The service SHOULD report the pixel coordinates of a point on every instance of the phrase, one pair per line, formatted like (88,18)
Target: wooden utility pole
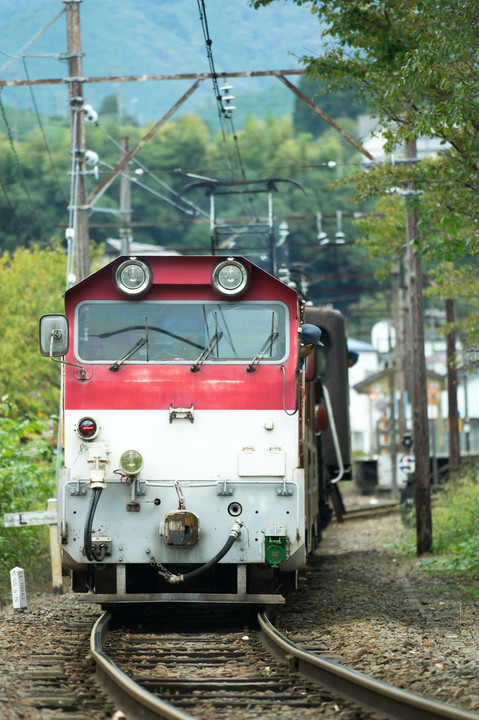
(399,347)
(418,381)
(125,202)
(454,452)
(75,83)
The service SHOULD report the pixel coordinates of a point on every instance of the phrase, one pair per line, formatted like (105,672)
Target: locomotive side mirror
(54,335)
(55,341)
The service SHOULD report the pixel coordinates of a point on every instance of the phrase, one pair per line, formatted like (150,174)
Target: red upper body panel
(156,386)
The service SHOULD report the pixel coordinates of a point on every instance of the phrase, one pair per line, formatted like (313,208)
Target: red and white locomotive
(194,469)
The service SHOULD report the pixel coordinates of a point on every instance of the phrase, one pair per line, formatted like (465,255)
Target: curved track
(295,684)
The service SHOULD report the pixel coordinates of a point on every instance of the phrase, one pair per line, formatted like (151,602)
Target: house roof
(382,377)
(114,247)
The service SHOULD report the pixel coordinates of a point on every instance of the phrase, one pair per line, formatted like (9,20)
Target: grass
(455,524)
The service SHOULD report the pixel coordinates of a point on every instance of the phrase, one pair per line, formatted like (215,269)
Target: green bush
(27,480)
(455,519)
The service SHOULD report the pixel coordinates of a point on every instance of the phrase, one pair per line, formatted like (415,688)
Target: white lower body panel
(223,467)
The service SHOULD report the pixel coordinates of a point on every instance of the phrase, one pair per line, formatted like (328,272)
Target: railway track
(371,511)
(183,674)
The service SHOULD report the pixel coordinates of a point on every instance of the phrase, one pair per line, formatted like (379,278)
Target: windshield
(179,331)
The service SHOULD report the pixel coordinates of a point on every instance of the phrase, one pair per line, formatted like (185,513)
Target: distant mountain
(129,37)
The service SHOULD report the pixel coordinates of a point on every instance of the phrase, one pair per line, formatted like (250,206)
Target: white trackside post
(19,593)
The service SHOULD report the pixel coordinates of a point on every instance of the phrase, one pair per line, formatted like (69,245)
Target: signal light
(87,428)
(321,419)
(131,462)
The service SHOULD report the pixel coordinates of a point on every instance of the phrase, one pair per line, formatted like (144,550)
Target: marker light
(131,462)
(230,278)
(87,428)
(133,277)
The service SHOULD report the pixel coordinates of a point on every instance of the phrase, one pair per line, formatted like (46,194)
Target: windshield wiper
(142,341)
(131,352)
(262,351)
(207,351)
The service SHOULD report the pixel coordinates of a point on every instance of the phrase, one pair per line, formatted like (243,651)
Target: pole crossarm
(153,78)
(126,158)
(326,117)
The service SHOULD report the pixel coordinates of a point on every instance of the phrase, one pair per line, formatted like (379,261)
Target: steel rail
(395,703)
(371,511)
(130,697)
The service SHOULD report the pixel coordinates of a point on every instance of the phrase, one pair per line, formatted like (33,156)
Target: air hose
(176,579)
(93,553)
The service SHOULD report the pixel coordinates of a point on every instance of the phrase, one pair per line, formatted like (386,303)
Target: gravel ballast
(359,603)
(364,606)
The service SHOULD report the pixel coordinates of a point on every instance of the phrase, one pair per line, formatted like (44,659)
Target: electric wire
(146,187)
(12,57)
(72,207)
(19,167)
(19,54)
(40,125)
(224,113)
(194,208)
(218,97)
(223,110)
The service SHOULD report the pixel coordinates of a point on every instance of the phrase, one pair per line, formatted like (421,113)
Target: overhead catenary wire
(224,113)
(209,54)
(188,208)
(72,207)
(148,189)
(40,125)
(19,54)
(19,168)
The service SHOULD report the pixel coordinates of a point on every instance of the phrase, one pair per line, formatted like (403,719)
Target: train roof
(178,269)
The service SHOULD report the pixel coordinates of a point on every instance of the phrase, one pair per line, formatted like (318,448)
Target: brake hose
(176,579)
(93,553)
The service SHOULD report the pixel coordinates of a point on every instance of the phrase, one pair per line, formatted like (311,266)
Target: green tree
(404,54)
(27,480)
(34,188)
(338,105)
(268,148)
(33,281)
(415,62)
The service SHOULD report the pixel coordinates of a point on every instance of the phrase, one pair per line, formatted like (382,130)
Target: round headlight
(131,462)
(230,278)
(87,428)
(133,277)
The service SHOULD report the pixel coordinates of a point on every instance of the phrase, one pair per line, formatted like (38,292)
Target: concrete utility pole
(125,202)
(75,83)
(418,369)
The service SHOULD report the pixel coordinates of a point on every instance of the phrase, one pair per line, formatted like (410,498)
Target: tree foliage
(338,105)
(415,62)
(170,217)
(27,480)
(32,284)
